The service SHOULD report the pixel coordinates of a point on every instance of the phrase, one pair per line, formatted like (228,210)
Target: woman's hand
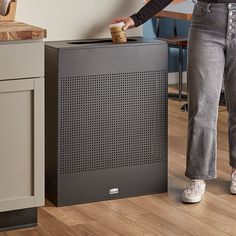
(129,23)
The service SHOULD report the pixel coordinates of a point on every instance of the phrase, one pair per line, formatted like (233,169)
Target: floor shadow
(218,186)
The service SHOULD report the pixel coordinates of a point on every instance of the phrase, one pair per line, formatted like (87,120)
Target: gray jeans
(211,62)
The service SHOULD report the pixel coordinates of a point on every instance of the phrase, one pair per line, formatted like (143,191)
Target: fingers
(118,20)
(129,23)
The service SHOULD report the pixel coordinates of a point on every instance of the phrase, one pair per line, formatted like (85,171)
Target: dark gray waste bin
(106,119)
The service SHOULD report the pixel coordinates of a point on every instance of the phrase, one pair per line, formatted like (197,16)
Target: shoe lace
(194,185)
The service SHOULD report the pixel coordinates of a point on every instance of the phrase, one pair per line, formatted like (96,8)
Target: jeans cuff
(205,177)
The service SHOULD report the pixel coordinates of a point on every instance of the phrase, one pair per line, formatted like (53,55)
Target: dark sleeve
(149,10)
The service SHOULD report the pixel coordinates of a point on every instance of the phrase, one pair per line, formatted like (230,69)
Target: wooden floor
(160,214)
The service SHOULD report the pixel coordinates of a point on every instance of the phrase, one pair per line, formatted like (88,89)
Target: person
(211,61)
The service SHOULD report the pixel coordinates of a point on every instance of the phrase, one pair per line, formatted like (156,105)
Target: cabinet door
(21,144)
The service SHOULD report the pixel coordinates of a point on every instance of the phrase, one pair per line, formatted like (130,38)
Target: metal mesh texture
(112,120)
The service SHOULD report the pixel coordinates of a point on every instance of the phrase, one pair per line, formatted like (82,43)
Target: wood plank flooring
(160,214)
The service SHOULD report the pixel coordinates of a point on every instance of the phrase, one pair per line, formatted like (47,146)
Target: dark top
(155,6)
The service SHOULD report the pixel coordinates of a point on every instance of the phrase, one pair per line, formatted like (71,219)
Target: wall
(76,19)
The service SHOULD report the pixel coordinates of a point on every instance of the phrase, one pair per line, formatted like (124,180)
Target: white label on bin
(114,191)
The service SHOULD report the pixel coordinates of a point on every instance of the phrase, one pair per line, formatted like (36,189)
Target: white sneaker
(194,191)
(233,183)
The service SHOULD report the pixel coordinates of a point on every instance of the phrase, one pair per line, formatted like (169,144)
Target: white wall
(76,19)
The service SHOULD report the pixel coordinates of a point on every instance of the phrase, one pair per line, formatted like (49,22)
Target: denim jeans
(211,62)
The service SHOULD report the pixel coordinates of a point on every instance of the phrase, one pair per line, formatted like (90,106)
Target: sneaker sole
(232,191)
(191,200)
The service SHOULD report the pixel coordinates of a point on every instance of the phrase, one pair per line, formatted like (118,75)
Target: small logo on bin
(114,191)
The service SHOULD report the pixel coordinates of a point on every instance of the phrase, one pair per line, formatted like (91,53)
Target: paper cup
(117,33)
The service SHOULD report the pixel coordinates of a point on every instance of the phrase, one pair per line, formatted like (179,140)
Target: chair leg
(184,107)
(180,71)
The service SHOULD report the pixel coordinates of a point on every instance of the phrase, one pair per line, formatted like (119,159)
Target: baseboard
(18,219)
(173,77)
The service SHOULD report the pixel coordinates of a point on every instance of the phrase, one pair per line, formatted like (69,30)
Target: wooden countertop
(13,30)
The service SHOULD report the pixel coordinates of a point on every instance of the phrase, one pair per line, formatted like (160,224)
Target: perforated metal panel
(112,120)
